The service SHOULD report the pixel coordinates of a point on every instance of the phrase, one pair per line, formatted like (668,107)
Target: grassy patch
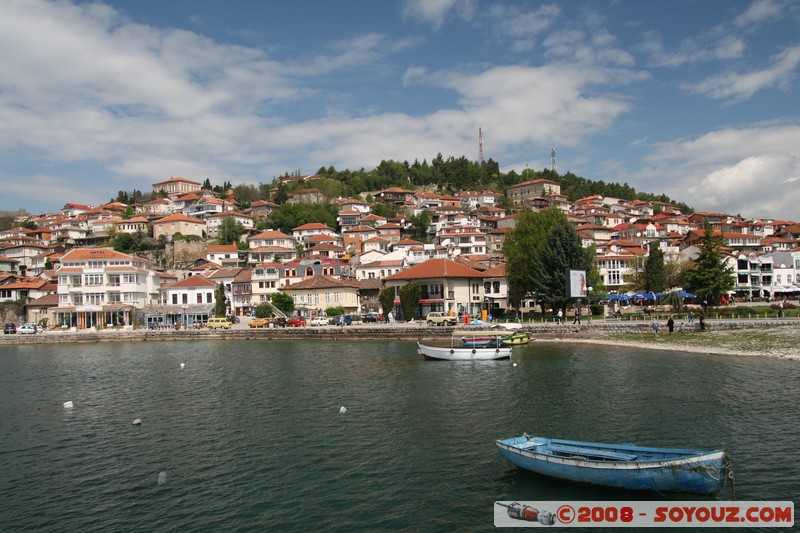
(774,341)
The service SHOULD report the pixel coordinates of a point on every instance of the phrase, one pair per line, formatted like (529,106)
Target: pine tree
(654,272)
(711,277)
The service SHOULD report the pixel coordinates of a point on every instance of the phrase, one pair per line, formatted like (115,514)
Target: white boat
(464,347)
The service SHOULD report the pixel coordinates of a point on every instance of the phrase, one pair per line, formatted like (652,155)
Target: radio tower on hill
(480,145)
(553,167)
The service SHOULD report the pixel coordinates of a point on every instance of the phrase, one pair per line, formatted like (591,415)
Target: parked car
(277,322)
(318,321)
(296,321)
(214,323)
(369,318)
(259,323)
(439,318)
(29,329)
(9,328)
(340,320)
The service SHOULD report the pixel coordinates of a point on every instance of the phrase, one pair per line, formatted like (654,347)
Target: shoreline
(763,338)
(793,355)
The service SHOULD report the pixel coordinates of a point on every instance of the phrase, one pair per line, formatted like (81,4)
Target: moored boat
(623,466)
(468,346)
(517,339)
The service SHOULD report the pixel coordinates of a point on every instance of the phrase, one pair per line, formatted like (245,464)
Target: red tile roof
(436,268)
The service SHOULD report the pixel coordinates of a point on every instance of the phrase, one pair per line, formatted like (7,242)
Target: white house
(100,287)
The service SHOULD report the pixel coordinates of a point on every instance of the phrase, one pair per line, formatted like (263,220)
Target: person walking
(691,317)
(560,317)
(670,325)
(577,319)
(655,326)
(702,322)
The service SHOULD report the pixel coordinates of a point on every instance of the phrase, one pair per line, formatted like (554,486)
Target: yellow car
(259,323)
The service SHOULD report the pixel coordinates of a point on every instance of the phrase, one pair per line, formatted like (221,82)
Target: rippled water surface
(250,436)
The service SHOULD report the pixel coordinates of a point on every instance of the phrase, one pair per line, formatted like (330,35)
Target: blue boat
(622,466)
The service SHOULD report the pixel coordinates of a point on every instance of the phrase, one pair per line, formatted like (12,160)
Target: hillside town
(66,275)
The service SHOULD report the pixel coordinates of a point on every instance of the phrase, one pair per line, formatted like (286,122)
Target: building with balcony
(99,287)
(446,286)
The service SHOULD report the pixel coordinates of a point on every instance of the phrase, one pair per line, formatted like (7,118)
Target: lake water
(250,436)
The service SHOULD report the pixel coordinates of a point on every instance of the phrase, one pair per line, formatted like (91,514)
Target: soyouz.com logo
(645,514)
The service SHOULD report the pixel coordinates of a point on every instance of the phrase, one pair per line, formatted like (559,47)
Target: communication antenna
(480,145)
(554,167)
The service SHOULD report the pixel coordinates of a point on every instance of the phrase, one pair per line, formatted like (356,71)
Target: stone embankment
(409,332)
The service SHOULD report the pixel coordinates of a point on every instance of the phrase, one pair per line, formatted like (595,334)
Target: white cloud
(740,171)
(737,87)
(760,11)
(434,12)
(756,184)
(522,26)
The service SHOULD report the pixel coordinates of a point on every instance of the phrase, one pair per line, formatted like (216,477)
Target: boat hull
(443,353)
(653,469)
(517,339)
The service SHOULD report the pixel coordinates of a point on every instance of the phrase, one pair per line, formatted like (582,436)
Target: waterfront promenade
(747,336)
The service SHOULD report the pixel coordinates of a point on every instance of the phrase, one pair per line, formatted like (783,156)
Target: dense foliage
(710,277)
(654,272)
(229,231)
(386,298)
(284,302)
(540,250)
(410,294)
(220,301)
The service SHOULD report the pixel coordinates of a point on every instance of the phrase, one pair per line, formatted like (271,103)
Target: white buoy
(183,365)
(342,410)
(68,404)
(515,364)
(137,421)
(162,477)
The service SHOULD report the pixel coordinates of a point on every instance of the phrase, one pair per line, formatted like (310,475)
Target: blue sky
(695,99)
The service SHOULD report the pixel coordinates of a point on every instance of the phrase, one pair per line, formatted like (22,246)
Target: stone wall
(183,254)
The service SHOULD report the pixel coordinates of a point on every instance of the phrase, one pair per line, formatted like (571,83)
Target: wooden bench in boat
(576,451)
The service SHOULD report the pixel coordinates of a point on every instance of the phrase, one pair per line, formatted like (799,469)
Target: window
(113,280)
(91,280)
(199,297)
(184,298)
(114,297)
(174,299)
(496,286)
(95,298)
(209,297)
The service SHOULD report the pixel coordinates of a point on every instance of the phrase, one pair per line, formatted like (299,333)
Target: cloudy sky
(696,99)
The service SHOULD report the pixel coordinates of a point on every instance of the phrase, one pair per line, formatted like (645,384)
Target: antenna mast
(480,145)
(554,167)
